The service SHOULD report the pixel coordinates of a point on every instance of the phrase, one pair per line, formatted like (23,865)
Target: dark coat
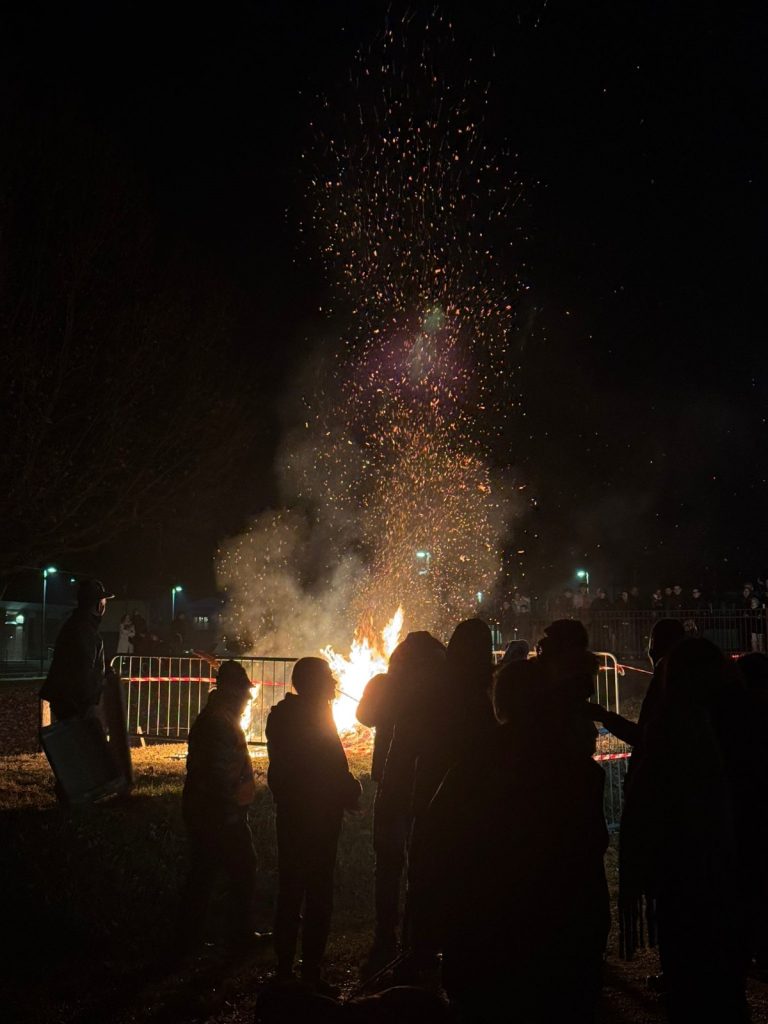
(76,676)
(308,768)
(219,769)
(516,845)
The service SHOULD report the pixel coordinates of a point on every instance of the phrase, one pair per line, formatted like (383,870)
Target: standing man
(312,786)
(75,680)
(218,791)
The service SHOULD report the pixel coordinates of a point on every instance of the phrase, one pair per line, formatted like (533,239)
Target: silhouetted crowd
(489,833)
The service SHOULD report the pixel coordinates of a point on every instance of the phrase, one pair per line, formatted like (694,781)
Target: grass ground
(90,898)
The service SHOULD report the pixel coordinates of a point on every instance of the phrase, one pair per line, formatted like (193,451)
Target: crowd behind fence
(626,633)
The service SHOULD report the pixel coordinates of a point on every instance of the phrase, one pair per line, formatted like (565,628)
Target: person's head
(677,590)
(754,603)
(601,593)
(754,671)
(92,596)
(624,596)
(695,673)
(668,591)
(470,648)
(562,637)
(634,591)
(233,684)
(749,586)
(656,595)
(696,593)
(420,656)
(312,679)
(665,634)
(746,592)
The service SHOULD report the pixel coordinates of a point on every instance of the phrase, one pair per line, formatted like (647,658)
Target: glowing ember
(367,657)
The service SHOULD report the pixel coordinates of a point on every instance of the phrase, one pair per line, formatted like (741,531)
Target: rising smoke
(387,494)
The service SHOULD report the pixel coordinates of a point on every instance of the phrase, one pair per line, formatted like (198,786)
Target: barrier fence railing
(611,753)
(626,633)
(165,695)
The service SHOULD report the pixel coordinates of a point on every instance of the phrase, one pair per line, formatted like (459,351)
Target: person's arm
(622,728)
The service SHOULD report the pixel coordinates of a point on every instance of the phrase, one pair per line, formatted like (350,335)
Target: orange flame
(368,656)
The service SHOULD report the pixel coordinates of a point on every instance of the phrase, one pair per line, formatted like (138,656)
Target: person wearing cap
(75,680)
(312,787)
(218,790)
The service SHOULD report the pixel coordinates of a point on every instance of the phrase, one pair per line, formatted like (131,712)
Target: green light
(19,620)
(50,570)
(177,590)
(581,573)
(422,554)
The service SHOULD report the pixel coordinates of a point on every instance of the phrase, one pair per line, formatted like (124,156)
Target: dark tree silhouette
(118,410)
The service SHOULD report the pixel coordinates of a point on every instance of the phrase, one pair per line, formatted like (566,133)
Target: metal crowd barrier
(612,754)
(165,695)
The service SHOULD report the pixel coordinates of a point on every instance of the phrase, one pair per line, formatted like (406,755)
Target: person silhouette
(312,787)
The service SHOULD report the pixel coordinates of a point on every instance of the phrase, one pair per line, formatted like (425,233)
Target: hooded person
(752,792)
(678,840)
(470,672)
(517,888)
(218,791)
(312,787)
(637,913)
(413,717)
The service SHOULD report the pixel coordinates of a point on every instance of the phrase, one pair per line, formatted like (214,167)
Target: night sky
(637,132)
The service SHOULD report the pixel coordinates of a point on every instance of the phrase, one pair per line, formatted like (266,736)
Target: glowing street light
(174,591)
(48,571)
(583,574)
(424,556)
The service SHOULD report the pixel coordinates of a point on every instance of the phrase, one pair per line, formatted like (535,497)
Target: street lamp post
(49,571)
(424,556)
(174,591)
(583,574)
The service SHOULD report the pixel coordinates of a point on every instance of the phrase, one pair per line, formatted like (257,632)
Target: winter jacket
(308,768)
(76,676)
(219,783)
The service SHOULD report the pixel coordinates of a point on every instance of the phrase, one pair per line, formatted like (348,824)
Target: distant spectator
(522,603)
(756,622)
(667,598)
(697,602)
(141,640)
(601,602)
(676,601)
(178,636)
(564,604)
(581,600)
(746,596)
(657,600)
(623,602)
(126,635)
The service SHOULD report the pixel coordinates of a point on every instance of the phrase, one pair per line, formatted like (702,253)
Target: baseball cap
(91,591)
